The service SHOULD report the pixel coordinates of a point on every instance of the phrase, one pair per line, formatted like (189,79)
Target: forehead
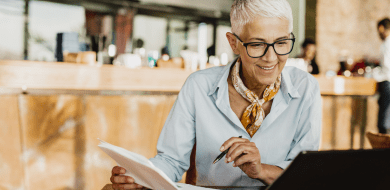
(266,28)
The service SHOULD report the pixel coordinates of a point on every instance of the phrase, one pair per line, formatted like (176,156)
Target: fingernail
(129,180)
(226,160)
(123,171)
(222,147)
(229,159)
(139,186)
(234,165)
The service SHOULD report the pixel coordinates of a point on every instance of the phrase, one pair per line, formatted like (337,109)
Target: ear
(233,42)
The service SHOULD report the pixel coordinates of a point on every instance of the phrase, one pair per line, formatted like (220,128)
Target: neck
(306,58)
(251,83)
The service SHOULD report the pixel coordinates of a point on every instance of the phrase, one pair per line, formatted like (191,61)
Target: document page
(141,169)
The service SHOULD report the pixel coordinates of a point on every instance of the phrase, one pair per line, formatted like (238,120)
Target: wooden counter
(345,117)
(346,86)
(51,115)
(68,76)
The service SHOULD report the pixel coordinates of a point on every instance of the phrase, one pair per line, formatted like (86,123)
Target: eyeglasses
(259,49)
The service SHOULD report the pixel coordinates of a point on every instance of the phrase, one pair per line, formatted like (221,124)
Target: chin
(267,80)
(268,77)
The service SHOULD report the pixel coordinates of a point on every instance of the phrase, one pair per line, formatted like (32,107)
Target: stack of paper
(141,169)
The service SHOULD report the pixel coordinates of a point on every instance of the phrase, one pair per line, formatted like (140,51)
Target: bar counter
(51,115)
(17,75)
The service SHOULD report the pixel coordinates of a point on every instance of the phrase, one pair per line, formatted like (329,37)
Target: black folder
(337,169)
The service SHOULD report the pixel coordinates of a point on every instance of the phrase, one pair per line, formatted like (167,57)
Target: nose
(270,55)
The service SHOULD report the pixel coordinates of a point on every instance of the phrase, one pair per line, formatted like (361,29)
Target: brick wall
(348,25)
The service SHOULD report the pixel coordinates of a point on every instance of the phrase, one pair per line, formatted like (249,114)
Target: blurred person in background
(217,105)
(308,54)
(383,77)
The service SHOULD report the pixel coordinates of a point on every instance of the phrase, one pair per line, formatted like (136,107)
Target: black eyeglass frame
(268,45)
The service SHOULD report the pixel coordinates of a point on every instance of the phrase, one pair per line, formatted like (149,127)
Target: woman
(308,55)
(217,105)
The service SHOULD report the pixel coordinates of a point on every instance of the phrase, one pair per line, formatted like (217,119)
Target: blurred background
(74,71)
(30,29)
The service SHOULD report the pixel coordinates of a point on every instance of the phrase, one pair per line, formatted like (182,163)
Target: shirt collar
(287,88)
(222,77)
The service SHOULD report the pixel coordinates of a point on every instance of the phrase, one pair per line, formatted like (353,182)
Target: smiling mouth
(267,68)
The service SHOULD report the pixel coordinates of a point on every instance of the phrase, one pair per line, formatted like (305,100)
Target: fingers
(118,170)
(127,186)
(121,179)
(245,159)
(231,141)
(242,148)
(117,176)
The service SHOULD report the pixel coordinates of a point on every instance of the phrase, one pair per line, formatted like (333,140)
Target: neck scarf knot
(254,114)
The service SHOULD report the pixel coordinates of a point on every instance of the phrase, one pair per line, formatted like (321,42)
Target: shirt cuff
(164,167)
(283,164)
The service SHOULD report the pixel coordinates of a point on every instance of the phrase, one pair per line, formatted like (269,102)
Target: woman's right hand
(119,181)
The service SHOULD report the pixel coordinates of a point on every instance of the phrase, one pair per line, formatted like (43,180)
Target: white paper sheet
(142,170)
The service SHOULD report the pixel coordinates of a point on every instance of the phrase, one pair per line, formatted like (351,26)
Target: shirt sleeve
(177,137)
(308,134)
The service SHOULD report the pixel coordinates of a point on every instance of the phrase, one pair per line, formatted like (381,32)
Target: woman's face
(310,51)
(265,69)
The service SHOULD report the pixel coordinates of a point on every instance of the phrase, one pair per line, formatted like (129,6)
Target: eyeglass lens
(280,47)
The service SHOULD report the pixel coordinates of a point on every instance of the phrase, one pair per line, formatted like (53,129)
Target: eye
(257,45)
(281,42)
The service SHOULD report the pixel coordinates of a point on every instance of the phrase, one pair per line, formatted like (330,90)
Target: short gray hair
(244,11)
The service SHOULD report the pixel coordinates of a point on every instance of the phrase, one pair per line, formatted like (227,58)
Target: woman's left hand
(245,155)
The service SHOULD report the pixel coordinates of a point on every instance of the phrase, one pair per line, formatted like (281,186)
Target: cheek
(283,59)
(241,51)
(281,65)
(282,62)
(247,61)
(244,55)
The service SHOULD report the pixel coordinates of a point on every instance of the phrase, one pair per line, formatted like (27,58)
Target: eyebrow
(280,38)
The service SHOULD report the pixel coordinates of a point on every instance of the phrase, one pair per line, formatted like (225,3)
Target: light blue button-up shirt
(202,114)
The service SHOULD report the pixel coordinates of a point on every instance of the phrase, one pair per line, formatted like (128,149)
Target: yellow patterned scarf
(254,114)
